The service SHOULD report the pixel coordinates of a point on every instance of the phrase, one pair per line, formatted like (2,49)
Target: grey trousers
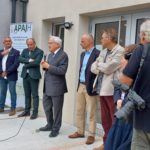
(140,140)
(53,106)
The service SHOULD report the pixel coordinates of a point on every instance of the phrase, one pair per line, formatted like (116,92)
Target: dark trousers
(53,109)
(107,113)
(31,88)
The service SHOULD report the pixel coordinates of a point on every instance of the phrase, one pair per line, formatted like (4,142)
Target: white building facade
(93,16)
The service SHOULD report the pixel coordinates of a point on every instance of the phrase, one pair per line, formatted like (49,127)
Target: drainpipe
(13,13)
(24,9)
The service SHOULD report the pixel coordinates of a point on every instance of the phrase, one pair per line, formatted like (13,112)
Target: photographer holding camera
(141,123)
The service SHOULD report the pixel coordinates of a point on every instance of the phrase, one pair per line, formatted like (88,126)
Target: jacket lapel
(91,58)
(53,58)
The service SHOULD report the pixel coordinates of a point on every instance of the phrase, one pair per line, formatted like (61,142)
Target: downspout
(24,9)
(13,13)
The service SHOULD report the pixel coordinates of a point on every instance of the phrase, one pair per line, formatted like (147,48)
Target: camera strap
(144,53)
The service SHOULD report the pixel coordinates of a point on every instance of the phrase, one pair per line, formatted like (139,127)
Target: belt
(83,83)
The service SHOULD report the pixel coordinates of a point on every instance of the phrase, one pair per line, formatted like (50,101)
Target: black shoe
(53,134)
(24,113)
(45,128)
(33,116)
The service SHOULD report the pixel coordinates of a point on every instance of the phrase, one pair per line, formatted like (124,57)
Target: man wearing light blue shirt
(86,98)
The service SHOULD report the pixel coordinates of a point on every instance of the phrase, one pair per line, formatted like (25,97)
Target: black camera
(134,101)
(127,55)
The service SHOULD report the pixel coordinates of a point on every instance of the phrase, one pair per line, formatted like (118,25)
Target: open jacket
(89,76)
(12,64)
(109,69)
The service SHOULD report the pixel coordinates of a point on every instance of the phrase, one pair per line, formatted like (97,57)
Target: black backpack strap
(144,53)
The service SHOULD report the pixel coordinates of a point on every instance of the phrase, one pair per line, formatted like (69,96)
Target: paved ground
(29,139)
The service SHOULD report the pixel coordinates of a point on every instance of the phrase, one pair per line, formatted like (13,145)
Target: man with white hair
(54,85)
(141,132)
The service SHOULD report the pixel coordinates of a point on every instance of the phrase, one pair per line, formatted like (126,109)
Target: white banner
(19,32)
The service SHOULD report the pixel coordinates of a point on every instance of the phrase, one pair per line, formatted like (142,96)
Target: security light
(68,25)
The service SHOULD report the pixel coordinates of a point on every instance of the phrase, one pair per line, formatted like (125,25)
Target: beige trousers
(85,104)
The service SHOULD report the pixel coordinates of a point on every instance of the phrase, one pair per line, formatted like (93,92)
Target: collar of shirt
(56,51)
(8,49)
(31,50)
(89,51)
(111,51)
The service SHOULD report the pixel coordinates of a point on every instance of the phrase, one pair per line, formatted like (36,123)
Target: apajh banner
(19,32)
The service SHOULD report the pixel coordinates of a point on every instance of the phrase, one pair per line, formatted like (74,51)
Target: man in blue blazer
(86,98)
(8,74)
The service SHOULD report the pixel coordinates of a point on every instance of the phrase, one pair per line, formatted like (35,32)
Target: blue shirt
(84,63)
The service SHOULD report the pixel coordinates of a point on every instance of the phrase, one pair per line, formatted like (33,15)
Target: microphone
(44,60)
(45,57)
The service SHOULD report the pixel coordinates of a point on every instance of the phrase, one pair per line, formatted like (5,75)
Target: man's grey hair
(145,28)
(56,39)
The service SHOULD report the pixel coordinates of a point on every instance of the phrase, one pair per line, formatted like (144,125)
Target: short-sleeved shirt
(142,87)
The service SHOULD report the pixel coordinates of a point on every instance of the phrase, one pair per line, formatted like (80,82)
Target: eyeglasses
(104,37)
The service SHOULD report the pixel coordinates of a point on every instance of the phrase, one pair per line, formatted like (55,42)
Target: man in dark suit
(8,74)
(86,98)
(54,85)
(31,58)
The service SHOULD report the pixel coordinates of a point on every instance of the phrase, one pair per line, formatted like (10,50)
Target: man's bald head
(87,41)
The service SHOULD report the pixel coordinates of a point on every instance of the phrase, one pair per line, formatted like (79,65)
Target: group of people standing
(55,86)
(96,72)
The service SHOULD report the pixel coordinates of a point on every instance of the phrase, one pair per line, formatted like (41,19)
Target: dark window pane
(59,31)
(100,27)
(138,24)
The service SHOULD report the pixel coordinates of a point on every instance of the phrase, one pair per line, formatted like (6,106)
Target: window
(118,23)
(58,30)
(102,26)
(138,24)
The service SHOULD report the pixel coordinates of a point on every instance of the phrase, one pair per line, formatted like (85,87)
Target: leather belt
(83,83)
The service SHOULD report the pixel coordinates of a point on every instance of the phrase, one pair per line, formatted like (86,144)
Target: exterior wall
(44,12)
(5,16)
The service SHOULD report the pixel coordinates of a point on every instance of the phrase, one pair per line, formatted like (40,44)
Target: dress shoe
(90,140)
(53,134)
(12,112)
(45,128)
(100,147)
(33,116)
(76,135)
(1,110)
(24,113)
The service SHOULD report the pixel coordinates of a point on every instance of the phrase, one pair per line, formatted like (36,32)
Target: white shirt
(4,61)
(56,51)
